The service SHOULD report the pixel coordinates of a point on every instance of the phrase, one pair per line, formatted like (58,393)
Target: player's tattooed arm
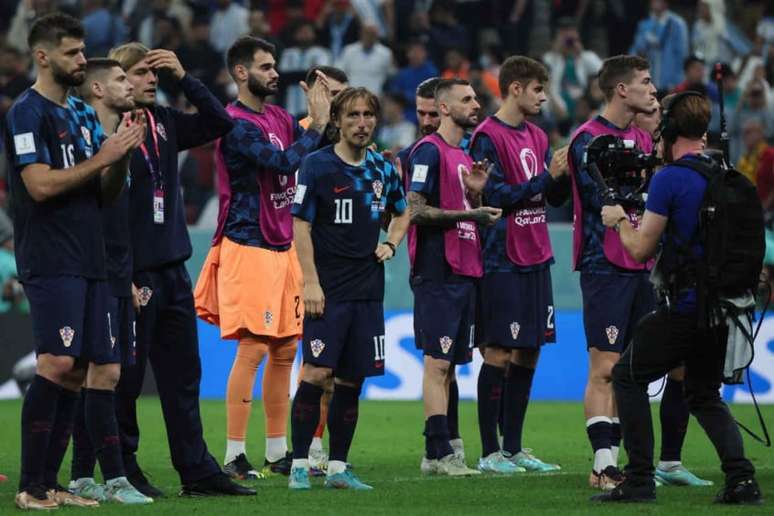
(423,214)
(314,298)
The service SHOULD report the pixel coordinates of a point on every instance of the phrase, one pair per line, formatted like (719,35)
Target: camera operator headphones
(669,129)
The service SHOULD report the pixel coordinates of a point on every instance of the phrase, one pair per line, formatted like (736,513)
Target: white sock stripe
(598,419)
(615,420)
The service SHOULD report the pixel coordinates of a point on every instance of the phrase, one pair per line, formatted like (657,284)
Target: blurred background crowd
(390,46)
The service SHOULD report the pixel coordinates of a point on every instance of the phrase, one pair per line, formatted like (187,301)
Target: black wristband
(390,245)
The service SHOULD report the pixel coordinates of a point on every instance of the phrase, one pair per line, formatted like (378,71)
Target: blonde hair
(129,54)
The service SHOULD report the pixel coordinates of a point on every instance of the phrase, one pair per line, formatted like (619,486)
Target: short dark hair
(52,28)
(618,69)
(337,74)
(445,85)
(426,88)
(242,52)
(520,69)
(95,66)
(349,95)
(693,58)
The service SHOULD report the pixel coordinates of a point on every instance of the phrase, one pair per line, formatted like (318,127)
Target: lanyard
(158,180)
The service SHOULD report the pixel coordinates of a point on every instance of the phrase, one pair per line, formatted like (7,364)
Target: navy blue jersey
(118,244)
(344,204)
(593,259)
(62,235)
(499,194)
(245,151)
(430,258)
(156,245)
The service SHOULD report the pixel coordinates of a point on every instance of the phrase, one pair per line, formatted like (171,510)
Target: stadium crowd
(390,46)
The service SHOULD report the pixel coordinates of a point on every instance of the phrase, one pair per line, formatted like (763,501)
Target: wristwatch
(617,226)
(390,245)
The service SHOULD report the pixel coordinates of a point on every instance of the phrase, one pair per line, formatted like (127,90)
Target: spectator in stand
(569,66)
(367,62)
(338,26)
(104,29)
(418,69)
(458,65)
(377,12)
(200,59)
(714,37)
(662,39)
(294,15)
(296,60)
(395,132)
(753,104)
(755,146)
(228,23)
(260,27)
(26,12)
(161,9)
(11,291)
(695,72)
(765,179)
(13,79)
(446,32)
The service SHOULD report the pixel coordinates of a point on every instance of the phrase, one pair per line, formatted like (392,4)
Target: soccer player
(250,284)
(62,167)
(107,89)
(615,287)
(429,121)
(445,252)
(166,324)
(337,80)
(343,191)
(516,305)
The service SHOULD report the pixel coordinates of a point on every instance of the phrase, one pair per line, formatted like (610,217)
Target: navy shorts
(613,304)
(444,319)
(348,338)
(123,328)
(517,309)
(70,317)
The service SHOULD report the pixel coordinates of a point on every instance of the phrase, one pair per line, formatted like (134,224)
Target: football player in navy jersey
(166,324)
(63,169)
(109,92)
(343,191)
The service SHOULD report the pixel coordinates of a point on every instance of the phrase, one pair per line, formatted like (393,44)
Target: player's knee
(104,377)
(284,353)
(496,356)
(436,368)
(317,375)
(527,357)
(355,384)
(54,368)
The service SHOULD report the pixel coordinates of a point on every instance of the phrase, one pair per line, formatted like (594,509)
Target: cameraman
(670,335)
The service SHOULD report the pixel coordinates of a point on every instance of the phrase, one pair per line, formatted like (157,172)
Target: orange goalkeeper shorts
(245,288)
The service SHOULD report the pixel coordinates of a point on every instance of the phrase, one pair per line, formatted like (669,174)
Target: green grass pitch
(386,453)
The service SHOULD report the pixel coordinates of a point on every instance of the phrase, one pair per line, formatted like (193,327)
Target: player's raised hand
(314,300)
(487,215)
(475,179)
(558,165)
(118,145)
(160,59)
(319,96)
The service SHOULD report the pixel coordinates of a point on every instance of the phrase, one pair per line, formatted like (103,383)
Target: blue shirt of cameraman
(676,192)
